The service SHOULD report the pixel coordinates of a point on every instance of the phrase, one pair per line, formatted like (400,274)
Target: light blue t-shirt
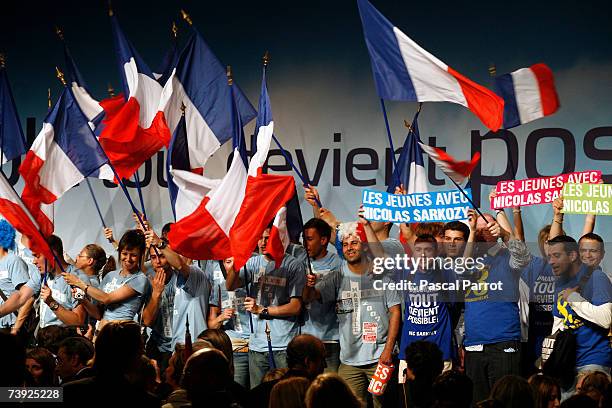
(273,287)
(239,326)
(320,318)
(364,317)
(127,309)
(62,294)
(13,274)
(161,329)
(35,278)
(190,300)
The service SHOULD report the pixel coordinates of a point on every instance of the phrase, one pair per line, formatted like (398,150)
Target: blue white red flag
(200,83)
(410,170)
(403,71)
(529,94)
(12,142)
(134,128)
(62,155)
(456,170)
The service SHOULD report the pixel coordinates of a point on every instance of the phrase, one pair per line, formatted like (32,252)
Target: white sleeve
(600,315)
(524,309)
(557,324)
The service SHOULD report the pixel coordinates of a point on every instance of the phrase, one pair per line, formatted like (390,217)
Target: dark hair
(431,228)
(569,243)
(453,389)
(179,357)
(424,359)
(330,390)
(512,391)
(50,337)
(132,239)
(543,387)
(166,228)
(206,377)
(78,346)
(595,385)
(118,347)
(323,228)
(221,341)
(47,361)
(457,226)
(593,237)
(289,393)
(56,245)
(97,253)
(426,238)
(302,347)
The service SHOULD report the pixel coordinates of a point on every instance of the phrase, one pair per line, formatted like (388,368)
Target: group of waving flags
(192,106)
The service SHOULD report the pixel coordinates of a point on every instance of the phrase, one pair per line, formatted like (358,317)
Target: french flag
(91,108)
(458,171)
(62,155)
(12,141)
(529,94)
(200,83)
(233,215)
(410,170)
(134,128)
(14,211)
(403,71)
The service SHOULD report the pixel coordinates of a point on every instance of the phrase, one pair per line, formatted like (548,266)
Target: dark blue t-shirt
(540,279)
(592,345)
(492,316)
(427,315)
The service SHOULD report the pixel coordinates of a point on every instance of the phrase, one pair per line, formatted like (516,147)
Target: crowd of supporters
(520,325)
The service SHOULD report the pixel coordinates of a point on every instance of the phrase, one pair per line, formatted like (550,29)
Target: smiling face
(158,261)
(352,248)
(83,260)
(591,252)
(130,259)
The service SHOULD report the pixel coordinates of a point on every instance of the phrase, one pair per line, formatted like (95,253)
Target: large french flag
(12,141)
(200,83)
(529,94)
(403,71)
(456,170)
(233,215)
(14,211)
(410,170)
(134,128)
(62,155)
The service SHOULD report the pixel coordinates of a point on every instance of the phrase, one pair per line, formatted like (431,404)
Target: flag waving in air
(134,128)
(410,170)
(403,71)
(200,83)
(233,215)
(529,94)
(12,208)
(456,170)
(12,142)
(62,155)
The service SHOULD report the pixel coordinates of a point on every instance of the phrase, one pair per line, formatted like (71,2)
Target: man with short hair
(274,300)
(305,358)
(456,234)
(369,314)
(320,318)
(592,251)
(583,304)
(72,357)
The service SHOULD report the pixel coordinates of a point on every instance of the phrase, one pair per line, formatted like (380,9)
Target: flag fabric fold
(62,155)
(456,170)
(528,93)
(410,170)
(199,82)
(13,209)
(404,71)
(231,218)
(12,141)
(134,127)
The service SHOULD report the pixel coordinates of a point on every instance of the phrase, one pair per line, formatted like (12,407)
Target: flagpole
(384,110)
(266,61)
(493,74)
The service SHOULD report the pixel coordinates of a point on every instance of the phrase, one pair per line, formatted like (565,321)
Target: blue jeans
(259,365)
(241,368)
(332,357)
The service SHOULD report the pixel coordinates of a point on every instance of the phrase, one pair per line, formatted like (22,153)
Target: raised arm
(312,195)
(158,284)
(175,260)
(556,228)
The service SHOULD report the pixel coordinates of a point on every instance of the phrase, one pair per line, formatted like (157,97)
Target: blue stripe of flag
(12,141)
(505,88)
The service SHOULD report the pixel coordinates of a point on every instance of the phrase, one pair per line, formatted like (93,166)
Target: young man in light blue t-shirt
(369,314)
(274,300)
